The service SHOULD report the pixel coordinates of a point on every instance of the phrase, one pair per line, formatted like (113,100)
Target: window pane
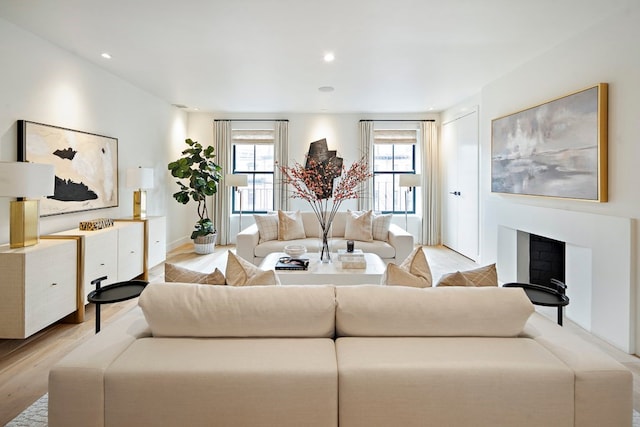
(383,157)
(383,192)
(263,197)
(403,157)
(244,157)
(264,157)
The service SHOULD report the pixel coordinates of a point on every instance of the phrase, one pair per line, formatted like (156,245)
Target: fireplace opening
(546,260)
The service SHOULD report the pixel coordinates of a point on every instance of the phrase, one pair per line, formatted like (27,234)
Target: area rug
(36,415)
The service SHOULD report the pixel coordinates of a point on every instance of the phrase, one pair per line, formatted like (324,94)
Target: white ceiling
(392,56)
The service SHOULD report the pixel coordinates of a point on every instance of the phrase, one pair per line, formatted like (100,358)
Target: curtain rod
(398,120)
(251,120)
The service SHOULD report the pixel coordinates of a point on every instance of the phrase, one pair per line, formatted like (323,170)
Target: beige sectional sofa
(395,248)
(201,355)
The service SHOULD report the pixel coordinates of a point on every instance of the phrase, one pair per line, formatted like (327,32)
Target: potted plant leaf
(198,176)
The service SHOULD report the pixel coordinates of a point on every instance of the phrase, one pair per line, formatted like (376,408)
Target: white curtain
(430,184)
(222,200)
(365,134)
(281,151)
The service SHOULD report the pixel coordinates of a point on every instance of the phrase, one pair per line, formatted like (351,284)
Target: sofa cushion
(483,276)
(461,382)
(267,227)
(241,272)
(284,382)
(380,226)
(193,310)
(445,311)
(414,271)
(290,226)
(175,273)
(359,226)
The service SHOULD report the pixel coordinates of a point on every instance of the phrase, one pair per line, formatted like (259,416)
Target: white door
(460,198)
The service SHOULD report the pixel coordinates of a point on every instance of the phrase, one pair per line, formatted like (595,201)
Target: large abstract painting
(556,149)
(86,166)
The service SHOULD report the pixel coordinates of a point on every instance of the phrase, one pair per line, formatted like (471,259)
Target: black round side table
(544,296)
(116,292)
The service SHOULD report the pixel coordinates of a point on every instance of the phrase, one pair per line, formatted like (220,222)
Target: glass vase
(325,253)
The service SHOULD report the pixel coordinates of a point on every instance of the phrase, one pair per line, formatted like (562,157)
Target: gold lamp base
(24,225)
(139,204)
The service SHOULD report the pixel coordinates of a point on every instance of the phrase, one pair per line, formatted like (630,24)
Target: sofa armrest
(603,386)
(401,240)
(246,242)
(76,383)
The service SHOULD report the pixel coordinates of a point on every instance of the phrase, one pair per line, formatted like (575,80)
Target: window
(394,153)
(253,155)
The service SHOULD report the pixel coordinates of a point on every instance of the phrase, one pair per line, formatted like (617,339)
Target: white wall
(340,131)
(43,83)
(606,53)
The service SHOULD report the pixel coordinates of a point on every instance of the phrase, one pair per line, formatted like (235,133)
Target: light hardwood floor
(24,364)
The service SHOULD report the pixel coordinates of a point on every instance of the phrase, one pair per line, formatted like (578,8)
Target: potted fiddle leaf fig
(198,177)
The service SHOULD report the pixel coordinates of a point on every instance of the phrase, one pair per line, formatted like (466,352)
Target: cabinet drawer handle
(54,284)
(102,263)
(133,252)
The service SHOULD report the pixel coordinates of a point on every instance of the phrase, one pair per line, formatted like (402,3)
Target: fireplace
(546,260)
(598,267)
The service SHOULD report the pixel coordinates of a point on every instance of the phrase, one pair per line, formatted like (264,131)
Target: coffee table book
(289,263)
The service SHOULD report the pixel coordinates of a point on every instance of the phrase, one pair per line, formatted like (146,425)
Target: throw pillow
(414,271)
(290,226)
(240,272)
(483,276)
(359,226)
(174,273)
(380,227)
(267,227)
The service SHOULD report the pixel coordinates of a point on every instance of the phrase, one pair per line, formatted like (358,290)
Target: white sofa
(396,248)
(202,355)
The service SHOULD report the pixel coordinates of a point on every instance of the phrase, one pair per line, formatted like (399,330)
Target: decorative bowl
(295,251)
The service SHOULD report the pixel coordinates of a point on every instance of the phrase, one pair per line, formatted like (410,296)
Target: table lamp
(409,181)
(236,181)
(22,180)
(140,178)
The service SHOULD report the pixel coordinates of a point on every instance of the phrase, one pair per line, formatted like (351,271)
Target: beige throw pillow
(290,226)
(174,273)
(359,226)
(380,227)
(267,227)
(483,276)
(414,271)
(240,272)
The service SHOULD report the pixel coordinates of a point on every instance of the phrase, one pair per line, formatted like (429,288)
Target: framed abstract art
(85,164)
(555,149)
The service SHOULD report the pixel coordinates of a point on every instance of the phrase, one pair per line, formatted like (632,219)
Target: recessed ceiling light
(105,55)
(326,89)
(329,57)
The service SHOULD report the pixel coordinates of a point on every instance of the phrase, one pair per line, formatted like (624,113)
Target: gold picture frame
(554,149)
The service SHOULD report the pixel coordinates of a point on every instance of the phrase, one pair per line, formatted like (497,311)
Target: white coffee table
(328,273)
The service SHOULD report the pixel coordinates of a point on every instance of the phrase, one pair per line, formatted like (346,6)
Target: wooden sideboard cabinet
(156,240)
(131,249)
(39,286)
(98,256)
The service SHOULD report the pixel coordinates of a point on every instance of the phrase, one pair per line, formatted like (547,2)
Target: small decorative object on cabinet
(39,286)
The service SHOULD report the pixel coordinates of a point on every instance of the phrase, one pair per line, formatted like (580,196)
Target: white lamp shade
(139,178)
(235,180)
(409,180)
(24,179)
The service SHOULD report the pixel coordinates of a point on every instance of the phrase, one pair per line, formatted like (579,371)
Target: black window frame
(250,180)
(394,174)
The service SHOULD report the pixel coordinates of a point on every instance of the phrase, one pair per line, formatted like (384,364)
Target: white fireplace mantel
(598,261)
